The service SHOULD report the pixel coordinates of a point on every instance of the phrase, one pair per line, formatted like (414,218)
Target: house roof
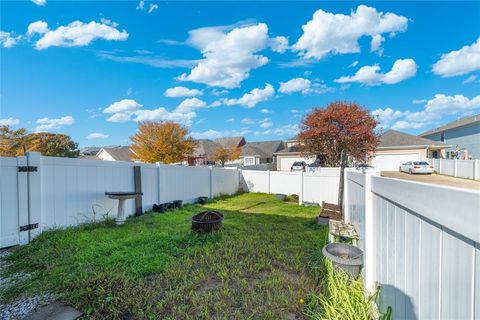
(120,153)
(452,125)
(205,148)
(90,151)
(230,142)
(264,149)
(393,138)
(291,149)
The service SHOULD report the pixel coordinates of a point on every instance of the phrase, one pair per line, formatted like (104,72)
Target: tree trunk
(343,164)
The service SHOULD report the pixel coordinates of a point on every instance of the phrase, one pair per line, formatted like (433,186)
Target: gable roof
(120,153)
(291,149)
(230,142)
(393,138)
(453,124)
(89,151)
(205,148)
(264,149)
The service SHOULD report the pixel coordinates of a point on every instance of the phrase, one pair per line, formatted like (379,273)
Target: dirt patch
(437,179)
(209,284)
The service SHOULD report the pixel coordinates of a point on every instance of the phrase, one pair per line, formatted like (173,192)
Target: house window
(442,136)
(249,161)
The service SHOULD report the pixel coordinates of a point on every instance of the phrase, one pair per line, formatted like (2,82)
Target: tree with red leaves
(340,130)
(342,126)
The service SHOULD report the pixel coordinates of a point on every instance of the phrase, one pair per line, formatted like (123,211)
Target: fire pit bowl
(207,221)
(344,257)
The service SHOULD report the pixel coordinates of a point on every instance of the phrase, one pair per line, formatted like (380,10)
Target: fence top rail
(435,203)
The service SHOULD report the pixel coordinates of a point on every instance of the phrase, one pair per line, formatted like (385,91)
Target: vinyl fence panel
(9,202)
(224,181)
(465,169)
(321,185)
(285,182)
(255,181)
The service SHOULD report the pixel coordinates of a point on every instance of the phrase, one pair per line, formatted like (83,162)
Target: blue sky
(94,69)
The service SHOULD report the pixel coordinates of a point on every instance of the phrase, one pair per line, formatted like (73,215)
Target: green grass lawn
(265,263)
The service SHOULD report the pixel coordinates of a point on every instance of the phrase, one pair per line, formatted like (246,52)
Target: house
(203,153)
(290,154)
(396,148)
(463,135)
(254,153)
(117,153)
(89,153)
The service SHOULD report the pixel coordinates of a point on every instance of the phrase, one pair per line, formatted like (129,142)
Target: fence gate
(20,181)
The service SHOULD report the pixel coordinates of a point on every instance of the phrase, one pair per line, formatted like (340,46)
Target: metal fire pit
(207,221)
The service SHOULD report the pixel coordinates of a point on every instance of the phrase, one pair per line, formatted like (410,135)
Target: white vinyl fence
(313,187)
(469,169)
(65,192)
(421,244)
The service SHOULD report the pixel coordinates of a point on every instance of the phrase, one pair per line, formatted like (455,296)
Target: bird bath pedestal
(121,197)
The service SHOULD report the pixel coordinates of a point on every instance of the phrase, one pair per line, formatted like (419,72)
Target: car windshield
(421,163)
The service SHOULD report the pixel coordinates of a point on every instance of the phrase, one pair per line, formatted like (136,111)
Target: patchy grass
(264,263)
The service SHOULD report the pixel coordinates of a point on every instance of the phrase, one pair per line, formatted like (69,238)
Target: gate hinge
(29,227)
(27,169)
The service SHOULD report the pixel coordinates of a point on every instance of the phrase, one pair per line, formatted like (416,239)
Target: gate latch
(29,227)
(27,169)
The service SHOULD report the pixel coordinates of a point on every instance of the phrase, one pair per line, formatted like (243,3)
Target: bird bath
(121,197)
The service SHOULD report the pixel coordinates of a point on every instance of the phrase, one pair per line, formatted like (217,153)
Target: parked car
(314,166)
(298,166)
(417,167)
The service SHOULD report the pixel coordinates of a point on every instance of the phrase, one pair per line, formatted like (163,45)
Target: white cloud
(263,123)
(7,39)
(75,34)
(218,93)
(295,85)
(266,123)
(39,27)
(353,64)
(182,92)
(9,122)
(285,131)
(230,119)
(376,43)
(228,56)
(123,106)
(418,101)
(162,114)
(97,135)
(252,98)
(401,70)
(45,124)
(247,121)
(120,117)
(470,79)
(295,111)
(152,7)
(434,110)
(141,5)
(266,111)
(40,2)
(278,44)
(190,104)
(329,33)
(460,62)
(213,134)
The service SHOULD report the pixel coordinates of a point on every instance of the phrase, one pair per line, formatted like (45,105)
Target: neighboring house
(203,153)
(89,153)
(463,136)
(290,154)
(254,153)
(396,148)
(118,153)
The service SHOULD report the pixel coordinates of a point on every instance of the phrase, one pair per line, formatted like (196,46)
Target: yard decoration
(202,200)
(122,197)
(207,221)
(344,257)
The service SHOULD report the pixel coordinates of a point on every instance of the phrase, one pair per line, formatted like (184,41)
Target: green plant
(342,298)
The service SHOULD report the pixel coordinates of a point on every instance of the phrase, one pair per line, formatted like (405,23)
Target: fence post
(211,182)
(346,204)
(440,166)
(161,179)
(369,241)
(454,167)
(34,159)
(268,181)
(475,170)
(300,196)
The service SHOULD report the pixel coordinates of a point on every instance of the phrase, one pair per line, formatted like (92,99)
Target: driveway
(434,179)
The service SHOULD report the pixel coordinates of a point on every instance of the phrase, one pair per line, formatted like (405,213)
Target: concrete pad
(55,311)
(437,179)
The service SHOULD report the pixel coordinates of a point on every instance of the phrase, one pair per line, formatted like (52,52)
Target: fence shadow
(401,304)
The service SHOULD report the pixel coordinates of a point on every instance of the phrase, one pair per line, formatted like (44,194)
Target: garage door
(391,162)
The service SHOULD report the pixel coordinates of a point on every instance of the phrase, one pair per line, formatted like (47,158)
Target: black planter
(344,257)
(169,205)
(202,200)
(207,221)
(160,208)
(177,203)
